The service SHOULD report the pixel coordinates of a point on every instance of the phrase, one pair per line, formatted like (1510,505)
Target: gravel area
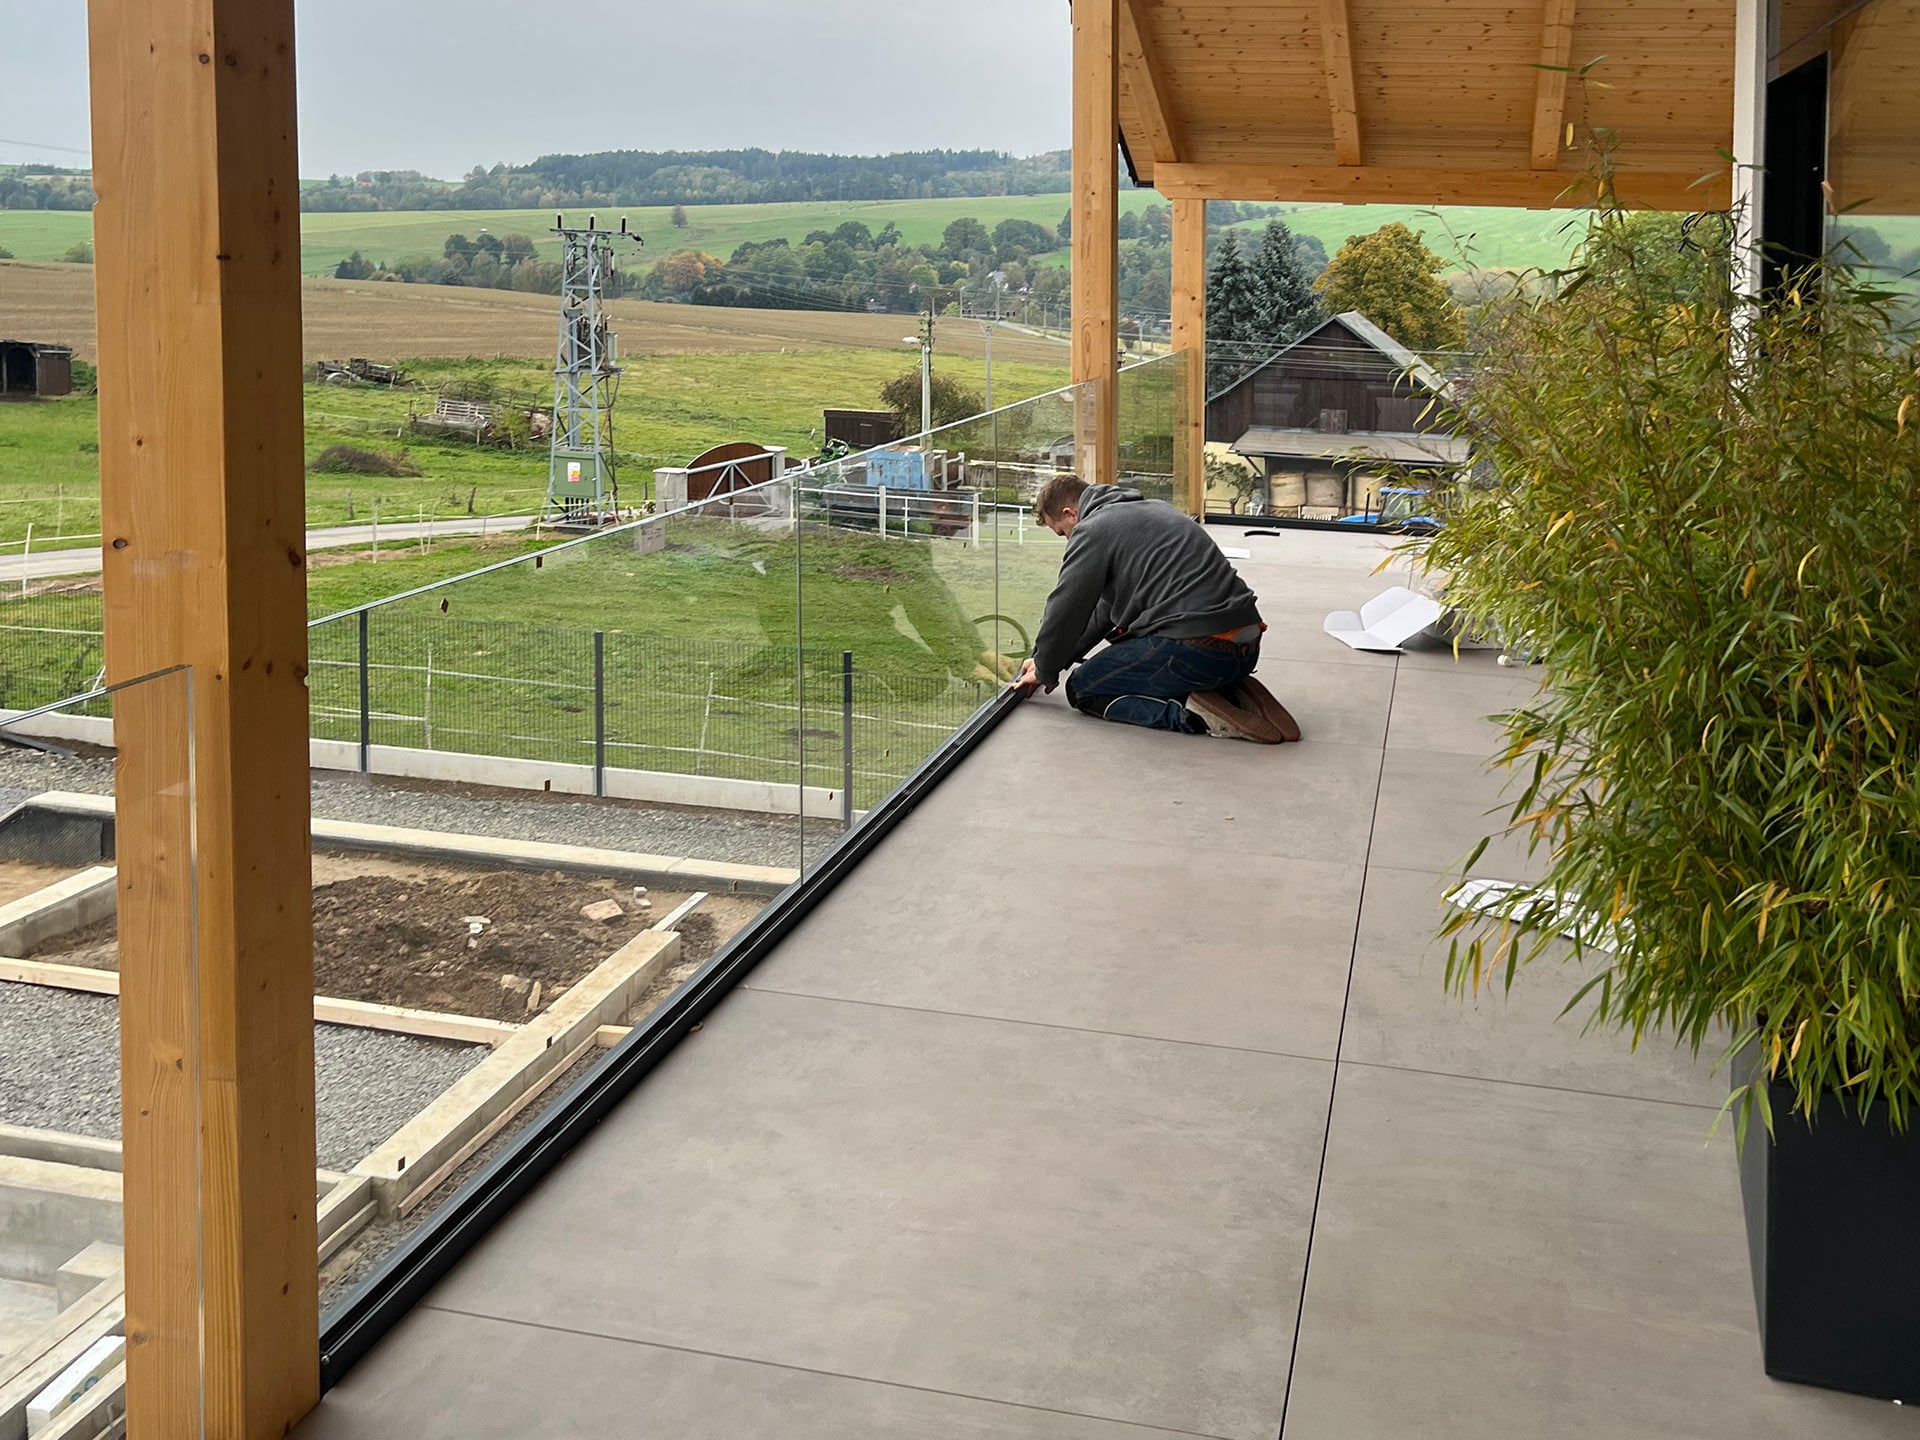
(736,837)
(60,1070)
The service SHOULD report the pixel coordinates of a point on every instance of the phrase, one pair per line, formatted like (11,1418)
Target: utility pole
(926,371)
(986,331)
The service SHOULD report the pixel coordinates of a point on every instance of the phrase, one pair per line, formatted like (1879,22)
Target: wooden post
(1190,339)
(1096,236)
(197,246)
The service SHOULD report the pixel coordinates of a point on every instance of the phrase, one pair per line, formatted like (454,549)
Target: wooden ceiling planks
(1390,86)
(1872,164)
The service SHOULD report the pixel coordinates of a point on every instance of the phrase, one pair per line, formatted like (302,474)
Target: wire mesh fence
(51,646)
(572,695)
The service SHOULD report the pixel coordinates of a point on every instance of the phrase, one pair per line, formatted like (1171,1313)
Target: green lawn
(671,408)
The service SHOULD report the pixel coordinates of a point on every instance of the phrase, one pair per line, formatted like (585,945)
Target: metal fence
(616,701)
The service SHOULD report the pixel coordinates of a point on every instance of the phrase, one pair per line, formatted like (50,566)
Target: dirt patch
(374,318)
(19,878)
(402,933)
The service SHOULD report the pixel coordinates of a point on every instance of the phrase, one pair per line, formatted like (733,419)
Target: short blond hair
(1059,494)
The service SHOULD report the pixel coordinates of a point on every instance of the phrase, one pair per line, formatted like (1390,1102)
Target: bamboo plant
(1704,516)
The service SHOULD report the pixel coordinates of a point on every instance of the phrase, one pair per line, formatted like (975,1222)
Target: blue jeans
(1145,680)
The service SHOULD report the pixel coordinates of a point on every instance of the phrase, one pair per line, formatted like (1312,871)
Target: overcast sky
(441,87)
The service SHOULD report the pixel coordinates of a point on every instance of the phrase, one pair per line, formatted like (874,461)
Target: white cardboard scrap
(1385,622)
(1234,552)
(1507,901)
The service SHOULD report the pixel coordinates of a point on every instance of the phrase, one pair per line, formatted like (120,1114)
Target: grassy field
(326,240)
(671,409)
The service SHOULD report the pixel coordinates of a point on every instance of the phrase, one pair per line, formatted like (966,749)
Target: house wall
(1335,371)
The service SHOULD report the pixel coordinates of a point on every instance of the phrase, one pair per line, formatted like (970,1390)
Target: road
(51,564)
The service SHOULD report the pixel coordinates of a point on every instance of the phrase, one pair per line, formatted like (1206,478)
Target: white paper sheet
(1386,622)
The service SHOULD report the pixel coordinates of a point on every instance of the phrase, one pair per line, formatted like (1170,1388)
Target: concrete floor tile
(1435,807)
(447,1376)
(1450,710)
(1104,786)
(1494,1260)
(1193,946)
(1401,1013)
(1099,1225)
(1336,703)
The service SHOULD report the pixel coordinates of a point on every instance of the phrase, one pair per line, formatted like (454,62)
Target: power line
(34,145)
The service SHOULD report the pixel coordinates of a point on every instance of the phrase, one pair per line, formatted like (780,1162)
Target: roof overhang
(1429,101)
(1354,446)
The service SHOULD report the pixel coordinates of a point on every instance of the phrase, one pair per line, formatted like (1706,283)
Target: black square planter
(1833,1228)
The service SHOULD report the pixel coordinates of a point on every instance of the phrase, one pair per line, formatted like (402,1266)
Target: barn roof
(1372,335)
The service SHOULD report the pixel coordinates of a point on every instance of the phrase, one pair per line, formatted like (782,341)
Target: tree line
(699,177)
(42,188)
(485,261)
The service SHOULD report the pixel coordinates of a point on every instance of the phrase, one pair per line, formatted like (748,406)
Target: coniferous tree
(1234,317)
(1289,307)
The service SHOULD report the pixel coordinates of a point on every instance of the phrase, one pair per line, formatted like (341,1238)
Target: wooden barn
(1332,418)
(29,370)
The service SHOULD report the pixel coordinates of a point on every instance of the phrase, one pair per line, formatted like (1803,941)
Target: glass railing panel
(101,1112)
(924,572)
(1149,407)
(580,779)
(1873,184)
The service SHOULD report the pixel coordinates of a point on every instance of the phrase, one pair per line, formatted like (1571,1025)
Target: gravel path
(740,838)
(60,1070)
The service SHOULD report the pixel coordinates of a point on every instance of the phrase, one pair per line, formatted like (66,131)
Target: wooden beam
(1096,237)
(1142,77)
(1375,184)
(1550,85)
(1336,42)
(1190,339)
(197,244)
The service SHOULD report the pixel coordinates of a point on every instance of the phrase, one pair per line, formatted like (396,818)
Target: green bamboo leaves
(1705,515)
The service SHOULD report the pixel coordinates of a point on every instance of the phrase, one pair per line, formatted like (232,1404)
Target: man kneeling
(1182,626)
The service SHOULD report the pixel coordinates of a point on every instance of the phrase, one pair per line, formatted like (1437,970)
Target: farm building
(863,429)
(1330,419)
(28,369)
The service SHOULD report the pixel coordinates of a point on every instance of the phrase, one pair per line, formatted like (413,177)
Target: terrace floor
(1117,1094)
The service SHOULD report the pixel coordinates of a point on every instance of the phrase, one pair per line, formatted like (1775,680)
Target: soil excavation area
(499,944)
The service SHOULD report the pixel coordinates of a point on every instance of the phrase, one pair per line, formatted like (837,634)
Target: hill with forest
(698,177)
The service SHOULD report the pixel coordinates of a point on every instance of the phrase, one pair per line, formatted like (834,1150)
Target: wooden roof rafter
(1336,40)
(1550,95)
(1143,84)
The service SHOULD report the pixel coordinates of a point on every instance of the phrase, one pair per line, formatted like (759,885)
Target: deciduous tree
(1393,279)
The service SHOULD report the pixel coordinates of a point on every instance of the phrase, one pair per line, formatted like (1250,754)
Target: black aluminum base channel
(356,1325)
(1333,527)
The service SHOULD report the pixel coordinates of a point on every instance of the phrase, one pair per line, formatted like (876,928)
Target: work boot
(1232,721)
(1256,697)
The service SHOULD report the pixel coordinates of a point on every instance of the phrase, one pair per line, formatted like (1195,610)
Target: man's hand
(1028,680)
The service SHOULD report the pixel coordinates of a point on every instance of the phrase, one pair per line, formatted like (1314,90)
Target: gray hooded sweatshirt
(1137,567)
